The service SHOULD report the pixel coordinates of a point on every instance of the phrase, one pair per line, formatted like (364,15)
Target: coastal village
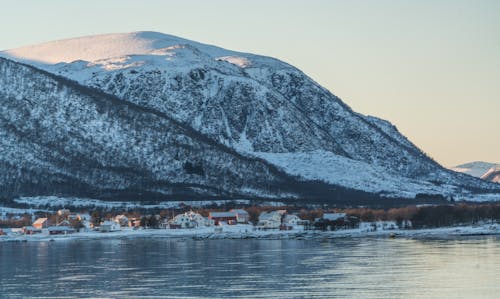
(245,222)
(66,222)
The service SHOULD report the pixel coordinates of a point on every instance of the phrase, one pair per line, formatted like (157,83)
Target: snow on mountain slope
(492,175)
(476,169)
(258,106)
(103,49)
(328,167)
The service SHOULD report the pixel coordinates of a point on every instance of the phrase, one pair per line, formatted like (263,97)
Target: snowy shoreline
(247,232)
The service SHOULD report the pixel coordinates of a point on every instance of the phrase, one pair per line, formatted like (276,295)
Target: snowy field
(243,231)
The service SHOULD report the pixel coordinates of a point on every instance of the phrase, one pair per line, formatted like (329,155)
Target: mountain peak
(477,168)
(95,47)
(108,52)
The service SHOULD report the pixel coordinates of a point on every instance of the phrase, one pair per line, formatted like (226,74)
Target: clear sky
(430,67)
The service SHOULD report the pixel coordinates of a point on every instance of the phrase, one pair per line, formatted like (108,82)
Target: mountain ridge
(259,107)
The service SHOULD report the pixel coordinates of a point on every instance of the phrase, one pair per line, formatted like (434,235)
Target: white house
(86,220)
(333,216)
(122,220)
(241,215)
(270,220)
(109,226)
(293,220)
(190,220)
(386,225)
(183,221)
(378,226)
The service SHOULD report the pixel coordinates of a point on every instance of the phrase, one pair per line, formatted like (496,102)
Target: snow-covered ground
(242,231)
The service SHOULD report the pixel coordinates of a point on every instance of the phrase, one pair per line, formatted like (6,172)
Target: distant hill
(476,169)
(492,175)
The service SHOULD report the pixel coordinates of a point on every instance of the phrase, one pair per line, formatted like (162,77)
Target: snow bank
(248,232)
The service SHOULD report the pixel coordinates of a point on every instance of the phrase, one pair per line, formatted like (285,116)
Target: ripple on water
(339,268)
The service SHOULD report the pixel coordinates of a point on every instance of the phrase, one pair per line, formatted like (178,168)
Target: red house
(218,217)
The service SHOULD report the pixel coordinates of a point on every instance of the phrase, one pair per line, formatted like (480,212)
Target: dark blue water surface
(177,268)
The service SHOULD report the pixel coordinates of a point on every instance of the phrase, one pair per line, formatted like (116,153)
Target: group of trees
(433,215)
(15,221)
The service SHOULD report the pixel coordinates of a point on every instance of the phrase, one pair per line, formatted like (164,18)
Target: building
(189,220)
(386,225)
(60,230)
(2,233)
(241,215)
(64,223)
(270,220)
(109,226)
(378,226)
(63,212)
(333,216)
(182,221)
(41,223)
(73,217)
(84,217)
(85,220)
(223,217)
(294,220)
(135,222)
(123,221)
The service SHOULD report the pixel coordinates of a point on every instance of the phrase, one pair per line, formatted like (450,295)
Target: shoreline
(246,232)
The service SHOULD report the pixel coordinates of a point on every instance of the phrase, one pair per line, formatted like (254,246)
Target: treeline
(18,221)
(433,215)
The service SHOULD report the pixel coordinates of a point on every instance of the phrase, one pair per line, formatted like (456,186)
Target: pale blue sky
(430,67)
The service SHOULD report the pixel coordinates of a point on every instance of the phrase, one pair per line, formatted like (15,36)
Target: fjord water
(185,268)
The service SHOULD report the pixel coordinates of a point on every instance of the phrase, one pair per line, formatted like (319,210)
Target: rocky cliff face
(199,117)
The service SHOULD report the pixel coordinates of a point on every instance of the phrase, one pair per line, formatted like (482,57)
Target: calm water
(175,268)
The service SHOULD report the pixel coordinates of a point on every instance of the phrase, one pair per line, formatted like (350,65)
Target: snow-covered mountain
(476,169)
(492,175)
(143,111)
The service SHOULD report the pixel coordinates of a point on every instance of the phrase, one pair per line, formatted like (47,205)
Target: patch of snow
(476,169)
(242,62)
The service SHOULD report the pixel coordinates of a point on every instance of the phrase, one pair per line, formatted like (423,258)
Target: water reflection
(173,268)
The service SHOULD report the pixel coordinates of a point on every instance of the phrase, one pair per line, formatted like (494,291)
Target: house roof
(64,223)
(40,221)
(239,211)
(333,216)
(107,222)
(222,214)
(84,216)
